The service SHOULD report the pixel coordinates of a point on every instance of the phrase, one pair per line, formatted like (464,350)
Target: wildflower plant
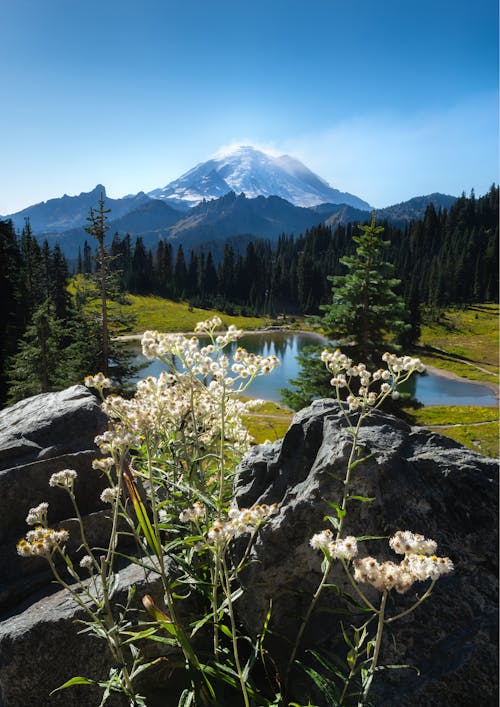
(168,458)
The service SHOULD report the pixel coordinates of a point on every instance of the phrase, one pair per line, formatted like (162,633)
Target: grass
(479,432)
(268,422)
(151,312)
(167,316)
(471,334)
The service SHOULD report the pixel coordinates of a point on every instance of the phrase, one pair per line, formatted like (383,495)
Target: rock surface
(422,482)
(41,648)
(38,436)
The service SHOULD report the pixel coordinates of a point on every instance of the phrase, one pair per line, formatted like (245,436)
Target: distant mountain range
(200,206)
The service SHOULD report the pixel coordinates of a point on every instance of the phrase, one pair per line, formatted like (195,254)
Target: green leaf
(371,537)
(363,499)
(327,687)
(187,698)
(340,511)
(74,681)
(226,630)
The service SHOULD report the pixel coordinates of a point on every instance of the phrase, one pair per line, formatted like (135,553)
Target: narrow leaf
(74,681)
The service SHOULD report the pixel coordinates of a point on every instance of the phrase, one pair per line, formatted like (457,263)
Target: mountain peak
(98,189)
(255,172)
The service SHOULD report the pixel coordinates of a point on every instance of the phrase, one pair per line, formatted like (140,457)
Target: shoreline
(442,372)
(250,332)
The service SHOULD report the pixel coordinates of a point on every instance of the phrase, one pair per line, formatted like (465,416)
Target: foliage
(364,306)
(363,312)
(34,368)
(115,357)
(313,380)
(482,438)
(170,455)
(167,315)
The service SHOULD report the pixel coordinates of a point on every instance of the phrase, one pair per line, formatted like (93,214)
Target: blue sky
(386,99)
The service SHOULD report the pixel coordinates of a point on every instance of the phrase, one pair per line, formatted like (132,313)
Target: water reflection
(429,389)
(432,389)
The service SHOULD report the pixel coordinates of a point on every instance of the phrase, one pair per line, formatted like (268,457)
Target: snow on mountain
(255,173)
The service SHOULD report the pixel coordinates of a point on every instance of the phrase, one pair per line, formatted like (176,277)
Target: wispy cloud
(386,158)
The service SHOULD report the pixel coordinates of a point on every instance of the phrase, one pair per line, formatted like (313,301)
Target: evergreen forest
(450,257)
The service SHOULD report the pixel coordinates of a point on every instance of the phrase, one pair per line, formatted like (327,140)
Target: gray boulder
(422,482)
(38,436)
(42,647)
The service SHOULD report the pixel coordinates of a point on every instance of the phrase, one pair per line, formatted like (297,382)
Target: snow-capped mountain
(255,173)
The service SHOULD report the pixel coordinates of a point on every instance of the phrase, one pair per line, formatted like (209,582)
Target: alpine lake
(428,388)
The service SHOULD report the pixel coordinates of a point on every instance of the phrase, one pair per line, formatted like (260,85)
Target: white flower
(110,494)
(344,548)
(98,381)
(192,514)
(86,562)
(404,542)
(322,540)
(63,479)
(41,542)
(37,514)
(105,464)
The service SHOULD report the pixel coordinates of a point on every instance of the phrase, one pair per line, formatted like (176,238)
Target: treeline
(48,339)
(448,257)
(32,277)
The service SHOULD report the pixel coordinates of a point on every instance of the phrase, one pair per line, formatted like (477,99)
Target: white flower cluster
(401,364)
(419,564)
(38,515)
(64,479)
(244,520)
(208,325)
(86,562)
(110,494)
(404,542)
(117,439)
(343,548)
(105,464)
(185,402)
(41,541)
(194,513)
(98,381)
(248,364)
(344,372)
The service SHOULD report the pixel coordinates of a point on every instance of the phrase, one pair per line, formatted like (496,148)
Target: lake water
(429,389)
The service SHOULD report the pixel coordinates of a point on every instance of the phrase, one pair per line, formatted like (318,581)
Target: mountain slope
(67,212)
(255,173)
(264,217)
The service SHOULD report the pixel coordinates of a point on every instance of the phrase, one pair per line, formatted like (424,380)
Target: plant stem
(376,650)
(357,589)
(413,606)
(305,621)
(225,581)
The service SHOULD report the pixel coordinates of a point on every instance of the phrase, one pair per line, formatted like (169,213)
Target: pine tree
(115,358)
(32,369)
(12,302)
(98,228)
(363,312)
(365,308)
